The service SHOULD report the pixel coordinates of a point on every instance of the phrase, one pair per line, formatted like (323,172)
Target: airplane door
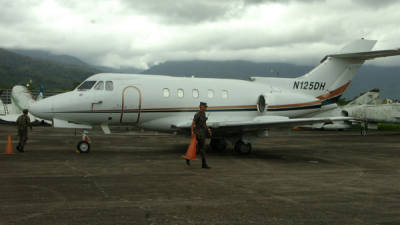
(97,96)
(131,104)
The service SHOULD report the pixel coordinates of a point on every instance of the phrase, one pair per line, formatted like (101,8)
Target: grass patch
(389,126)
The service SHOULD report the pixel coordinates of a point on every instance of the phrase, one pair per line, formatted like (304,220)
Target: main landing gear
(220,144)
(84,145)
(242,148)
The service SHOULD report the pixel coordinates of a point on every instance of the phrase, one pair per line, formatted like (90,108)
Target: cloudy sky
(141,33)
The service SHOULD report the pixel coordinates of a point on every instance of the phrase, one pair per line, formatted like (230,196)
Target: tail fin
(21,98)
(330,79)
(41,93)
(370,97)
(2,108)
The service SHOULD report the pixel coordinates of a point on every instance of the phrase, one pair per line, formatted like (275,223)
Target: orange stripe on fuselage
(295,105)
(334,93)
(195,108)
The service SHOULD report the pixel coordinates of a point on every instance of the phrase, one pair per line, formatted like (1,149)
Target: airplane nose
(42,109)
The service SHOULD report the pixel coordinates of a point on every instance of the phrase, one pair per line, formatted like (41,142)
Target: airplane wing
(261,123)
(57,123)
(12,118)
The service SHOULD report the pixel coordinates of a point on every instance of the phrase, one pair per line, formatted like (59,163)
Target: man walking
(23,122)
(199,127)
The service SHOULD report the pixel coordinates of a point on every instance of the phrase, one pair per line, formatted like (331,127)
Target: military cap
(203,104)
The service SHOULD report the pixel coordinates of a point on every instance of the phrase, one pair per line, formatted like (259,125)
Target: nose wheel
(84,145)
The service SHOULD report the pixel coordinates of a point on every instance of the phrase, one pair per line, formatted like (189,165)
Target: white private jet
(238,110)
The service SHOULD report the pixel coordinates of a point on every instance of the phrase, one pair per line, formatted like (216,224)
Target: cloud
(142,33)
(184,11)
(374,4)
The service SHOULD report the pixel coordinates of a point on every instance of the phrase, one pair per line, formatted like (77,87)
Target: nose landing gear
(84,145)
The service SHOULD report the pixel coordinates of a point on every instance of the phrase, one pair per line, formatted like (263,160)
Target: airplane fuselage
(154,102)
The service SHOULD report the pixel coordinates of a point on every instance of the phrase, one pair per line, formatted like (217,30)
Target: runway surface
(292,177)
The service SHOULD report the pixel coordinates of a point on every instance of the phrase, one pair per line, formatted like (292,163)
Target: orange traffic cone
(191,151)
(9,148)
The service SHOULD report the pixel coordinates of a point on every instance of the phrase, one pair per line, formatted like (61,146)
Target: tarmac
(134,177)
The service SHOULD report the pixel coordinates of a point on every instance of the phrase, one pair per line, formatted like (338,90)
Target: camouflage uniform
(23,122)
(201,132)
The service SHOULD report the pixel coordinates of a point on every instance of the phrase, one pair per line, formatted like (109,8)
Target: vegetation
(389,126)
(382,126)
(19,69)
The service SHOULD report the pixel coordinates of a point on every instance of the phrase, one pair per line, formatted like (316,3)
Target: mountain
(18,66)
(63,59)
(387,79)
(71,60)
(227,69)
(118,70)
(19,69)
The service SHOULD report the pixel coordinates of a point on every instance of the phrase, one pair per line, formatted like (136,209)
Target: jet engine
(282,101)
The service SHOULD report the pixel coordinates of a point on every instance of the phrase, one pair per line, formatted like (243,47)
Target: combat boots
(204,164)
(20,148)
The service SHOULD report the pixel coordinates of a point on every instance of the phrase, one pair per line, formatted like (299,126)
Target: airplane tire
(83,147)
(242,148)
(218,145)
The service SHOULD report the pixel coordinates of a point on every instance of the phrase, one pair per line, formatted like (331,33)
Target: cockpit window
(99,86)
(87,85)
(109,86)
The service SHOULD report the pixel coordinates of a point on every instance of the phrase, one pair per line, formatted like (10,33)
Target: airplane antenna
(364,34)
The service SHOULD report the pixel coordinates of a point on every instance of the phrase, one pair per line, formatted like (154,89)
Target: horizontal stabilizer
(365,55)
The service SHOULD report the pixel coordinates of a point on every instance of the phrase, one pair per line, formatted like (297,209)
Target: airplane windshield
(87,85)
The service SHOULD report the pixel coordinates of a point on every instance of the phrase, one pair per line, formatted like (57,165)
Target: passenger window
(210,93)
(109,86)
(87,85)
(224,94)
(99,86)
(180,93)
(166,92)
(195,93)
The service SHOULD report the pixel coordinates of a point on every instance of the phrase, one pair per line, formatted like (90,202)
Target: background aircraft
(368,109)
(21,98)
(238,110)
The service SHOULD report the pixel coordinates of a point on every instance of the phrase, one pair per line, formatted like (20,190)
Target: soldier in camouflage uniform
(23,122)
(199,127)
